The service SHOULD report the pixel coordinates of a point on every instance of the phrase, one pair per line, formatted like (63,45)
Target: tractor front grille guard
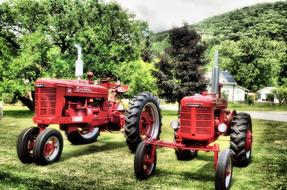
(45,101)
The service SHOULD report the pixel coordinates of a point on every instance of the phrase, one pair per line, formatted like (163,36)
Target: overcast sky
(164,14)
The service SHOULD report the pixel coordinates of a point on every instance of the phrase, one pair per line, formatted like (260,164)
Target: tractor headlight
(174,124)
(222,127)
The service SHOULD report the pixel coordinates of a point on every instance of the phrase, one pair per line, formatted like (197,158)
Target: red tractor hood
(73,86)
(203,101)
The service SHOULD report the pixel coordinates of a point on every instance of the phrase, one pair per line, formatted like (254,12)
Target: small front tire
(223,175)
(25,144)
(145,161)
(48,147)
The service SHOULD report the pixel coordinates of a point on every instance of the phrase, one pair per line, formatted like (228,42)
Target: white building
(263,93)
(230,88)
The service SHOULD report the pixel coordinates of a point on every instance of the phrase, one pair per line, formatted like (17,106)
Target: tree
(281,94)
(254,62)
(181,71)
(138,75)
(37,40)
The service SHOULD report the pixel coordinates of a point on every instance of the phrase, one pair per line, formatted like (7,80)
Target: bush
(281,94)
(270,97)
(8,98)
(250,100)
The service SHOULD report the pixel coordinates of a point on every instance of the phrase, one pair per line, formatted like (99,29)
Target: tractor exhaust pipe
(79,63)
(215,74)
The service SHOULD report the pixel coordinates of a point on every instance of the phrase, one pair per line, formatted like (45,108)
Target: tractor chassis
(177,145)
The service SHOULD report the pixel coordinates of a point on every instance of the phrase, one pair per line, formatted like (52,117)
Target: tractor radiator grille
(196,120)
(45,101)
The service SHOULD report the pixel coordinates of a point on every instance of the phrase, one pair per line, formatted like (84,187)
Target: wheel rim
(30,144)
(228,173)
(149,121)
(89,134)
(248,143)
(51,148)
(148,162)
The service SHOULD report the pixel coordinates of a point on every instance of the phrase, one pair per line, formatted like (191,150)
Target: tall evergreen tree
(180,72)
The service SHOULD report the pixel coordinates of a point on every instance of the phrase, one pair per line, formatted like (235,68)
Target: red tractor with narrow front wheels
(202,120)
(84,109)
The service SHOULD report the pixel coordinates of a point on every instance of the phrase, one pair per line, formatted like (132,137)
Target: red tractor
(203,118)
(83,109)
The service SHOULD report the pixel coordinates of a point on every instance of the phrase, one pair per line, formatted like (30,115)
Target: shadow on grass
(91,149)
(204,173)
(30,182)
(18,113)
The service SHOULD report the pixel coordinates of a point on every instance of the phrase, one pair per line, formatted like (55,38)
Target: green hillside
(268,19)
(252,43)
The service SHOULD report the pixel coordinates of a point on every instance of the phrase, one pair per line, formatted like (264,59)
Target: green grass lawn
(108,164)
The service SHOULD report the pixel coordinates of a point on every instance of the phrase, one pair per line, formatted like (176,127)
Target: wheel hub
(30,145)
(148,163)
(149,121)
(51,148)
(248,143)
(228,174)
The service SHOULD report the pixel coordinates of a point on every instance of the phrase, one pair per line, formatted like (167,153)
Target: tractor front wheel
(241,140)
(143,120)
(223,175)
(185,155)
(25,144)
(144,161)
(83,137)
(48,147)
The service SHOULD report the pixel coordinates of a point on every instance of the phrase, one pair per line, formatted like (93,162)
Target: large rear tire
(48,147)
(241,140)
(144,161)
(224,168)
(143,120)
(25,144)
(81,137)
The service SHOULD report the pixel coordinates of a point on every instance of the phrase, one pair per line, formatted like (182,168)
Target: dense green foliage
(281,94)
(37,40)
(180,72)
(252,43)
(254,62)
(138,75)
(267,20)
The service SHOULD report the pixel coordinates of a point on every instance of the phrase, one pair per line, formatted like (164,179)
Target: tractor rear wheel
(185,155)
(25,144)
(241,140)
(144,161)
(82,137)
(143,120)
(223,175)
(48,147)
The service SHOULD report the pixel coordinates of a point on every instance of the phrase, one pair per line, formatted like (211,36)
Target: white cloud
(164,14)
